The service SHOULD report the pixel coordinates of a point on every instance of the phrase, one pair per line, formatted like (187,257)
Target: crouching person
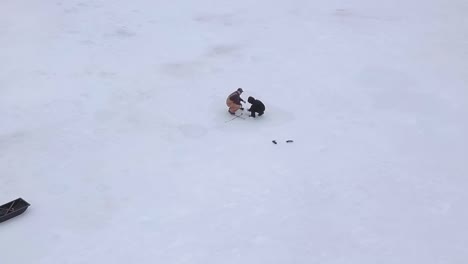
(257,107)
(234,101)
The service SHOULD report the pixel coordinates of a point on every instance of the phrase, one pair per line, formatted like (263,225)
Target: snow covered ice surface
(112,125)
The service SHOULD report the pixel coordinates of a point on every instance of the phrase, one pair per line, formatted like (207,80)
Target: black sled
(13,209)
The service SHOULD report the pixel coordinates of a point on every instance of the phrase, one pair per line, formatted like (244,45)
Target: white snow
(113,126)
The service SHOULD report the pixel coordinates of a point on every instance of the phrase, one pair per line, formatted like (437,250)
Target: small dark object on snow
(274,141)
(12,209)
(289,141)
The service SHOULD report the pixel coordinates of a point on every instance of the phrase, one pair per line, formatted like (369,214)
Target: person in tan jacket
(234,101)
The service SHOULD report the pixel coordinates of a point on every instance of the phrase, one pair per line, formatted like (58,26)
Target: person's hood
(251,100)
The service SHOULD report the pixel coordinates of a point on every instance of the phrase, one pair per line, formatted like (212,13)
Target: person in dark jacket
(234,101)
(256,107)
